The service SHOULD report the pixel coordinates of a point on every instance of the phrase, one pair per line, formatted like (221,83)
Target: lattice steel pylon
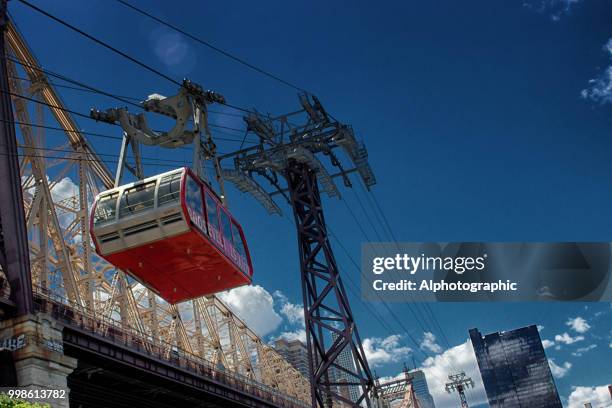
(60,173)
(459,382)
(291,152)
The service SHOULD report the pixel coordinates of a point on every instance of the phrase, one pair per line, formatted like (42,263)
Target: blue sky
(485,120)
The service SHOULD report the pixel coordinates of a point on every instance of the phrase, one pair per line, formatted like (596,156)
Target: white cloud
(458,358)
(567,339)
(579,352)
(255,306)
(555,8)
(294,313)
(578,324)
(540,327)
(389,378)
(381,351)
(559,371)
(547,343)
(64,189)
(60,191)
(429,343)
(600,88)
(299,334)
(598,396)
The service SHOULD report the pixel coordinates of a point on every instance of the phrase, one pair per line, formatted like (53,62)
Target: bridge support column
(39,362)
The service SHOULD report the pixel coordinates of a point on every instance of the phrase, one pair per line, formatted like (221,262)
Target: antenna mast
(459,382)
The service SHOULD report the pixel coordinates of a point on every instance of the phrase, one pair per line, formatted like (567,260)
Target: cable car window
(106,208)
(238,244)
(169,189)
(193,195)
(225,224)
(195,205)
(211,207)
(136,199)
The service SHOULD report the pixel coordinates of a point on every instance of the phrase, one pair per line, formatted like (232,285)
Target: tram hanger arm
(178,107)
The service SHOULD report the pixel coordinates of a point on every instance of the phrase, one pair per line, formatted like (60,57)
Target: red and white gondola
(172,234)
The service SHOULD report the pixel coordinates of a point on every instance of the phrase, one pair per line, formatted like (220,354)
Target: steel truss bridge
(133,349)
(398,393)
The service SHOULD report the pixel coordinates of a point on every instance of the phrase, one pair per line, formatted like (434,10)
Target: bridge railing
(74,315)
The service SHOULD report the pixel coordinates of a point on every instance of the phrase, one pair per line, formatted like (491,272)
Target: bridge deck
(109,351)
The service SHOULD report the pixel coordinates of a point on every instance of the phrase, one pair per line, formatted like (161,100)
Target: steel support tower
(290,151)
(14,254)
(459,382)
(321,285)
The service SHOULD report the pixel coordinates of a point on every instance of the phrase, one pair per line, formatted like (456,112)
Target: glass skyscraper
(421,389)
(346,361)
(514,369)
(296,354)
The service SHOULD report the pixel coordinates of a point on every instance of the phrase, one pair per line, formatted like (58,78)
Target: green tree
(6,402)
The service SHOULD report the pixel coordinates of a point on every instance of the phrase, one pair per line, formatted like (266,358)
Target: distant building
(421,389)
(295,352)
(346,361)
(514,369)
(345,392)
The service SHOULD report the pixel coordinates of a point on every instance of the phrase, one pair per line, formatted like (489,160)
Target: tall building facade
(295,352)
(421,389)
(345,360)
(514,369)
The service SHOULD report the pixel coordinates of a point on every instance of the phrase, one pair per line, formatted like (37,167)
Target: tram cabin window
(227,228)
(136,199)
(195,204)
(211,207)
(238,244)
(106,208)
(169,189)
(193,195)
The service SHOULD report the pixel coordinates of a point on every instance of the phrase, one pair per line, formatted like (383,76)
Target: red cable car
(171,233)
